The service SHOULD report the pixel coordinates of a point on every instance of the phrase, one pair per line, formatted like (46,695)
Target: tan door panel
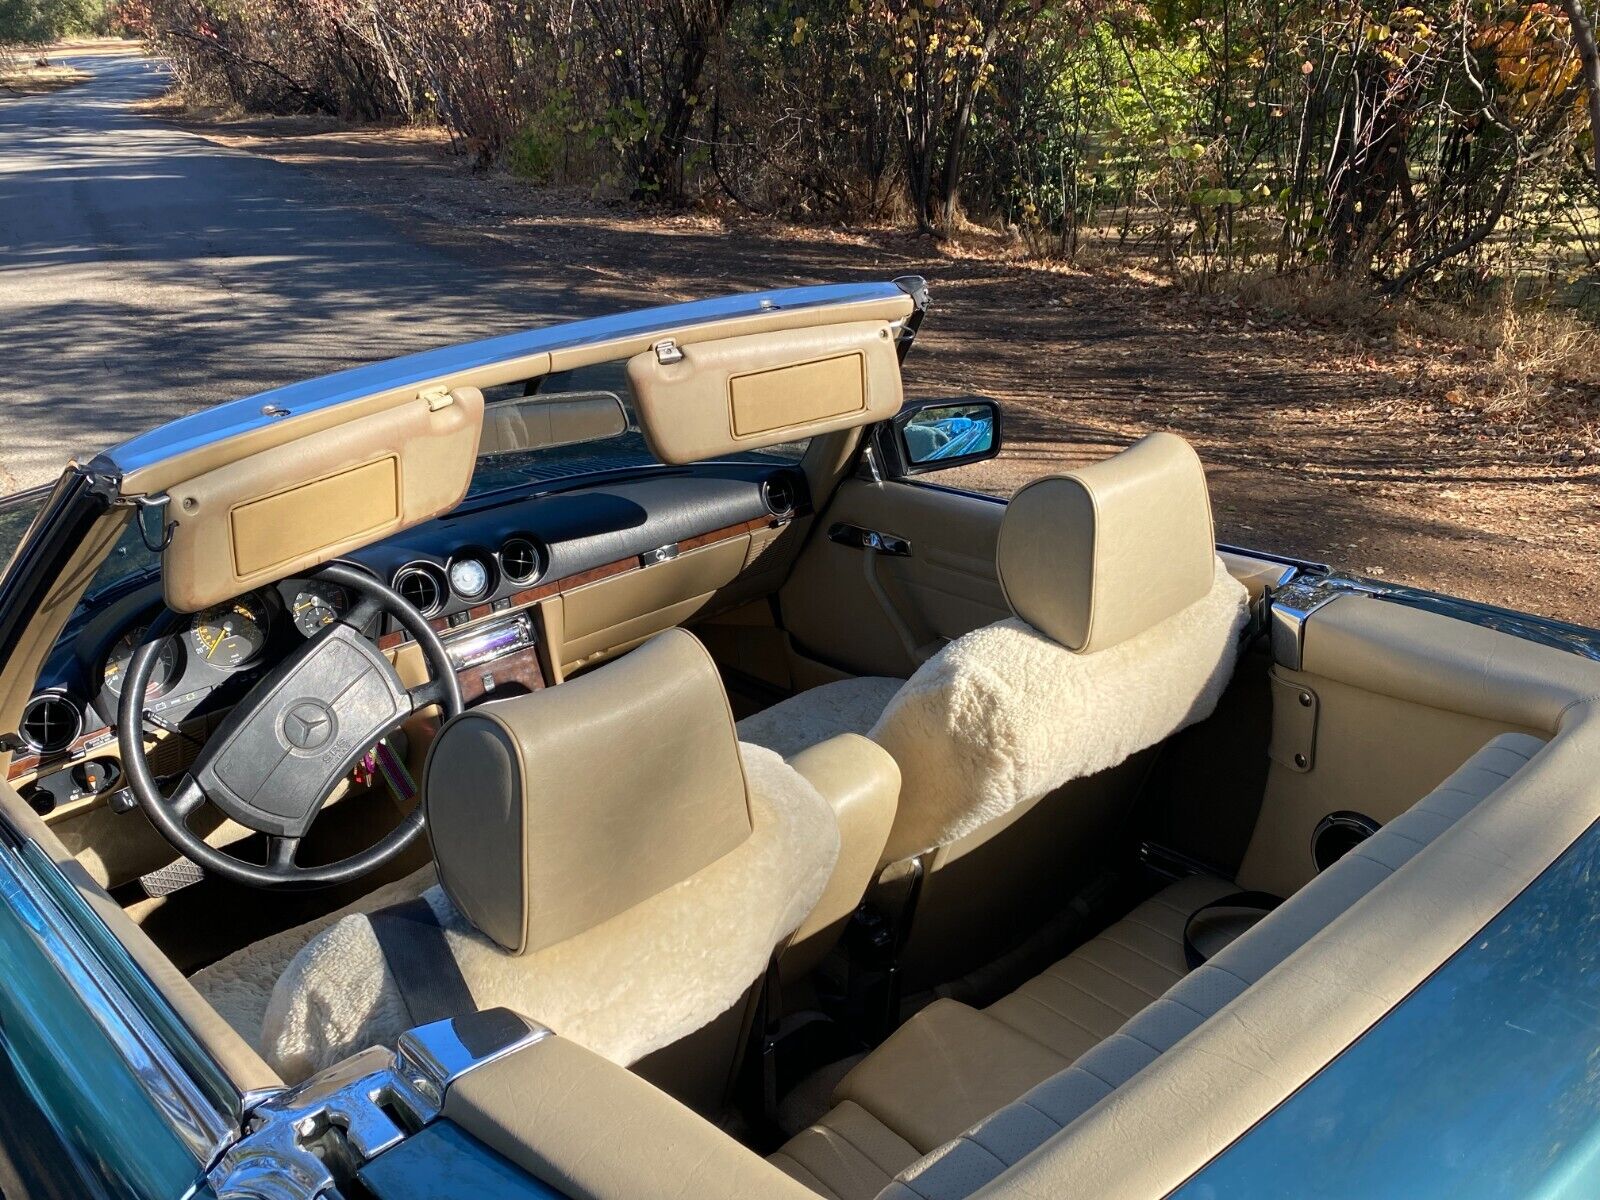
(946,587)
(1401,699)
(298,505)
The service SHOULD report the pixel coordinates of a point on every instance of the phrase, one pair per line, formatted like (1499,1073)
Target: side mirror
(545,422)
(930,435)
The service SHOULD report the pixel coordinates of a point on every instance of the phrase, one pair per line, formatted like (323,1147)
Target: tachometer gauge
(161,675)
(470,578)
(230,635)
(318,604)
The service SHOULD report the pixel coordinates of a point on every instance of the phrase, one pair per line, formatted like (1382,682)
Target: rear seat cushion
(952,1065)
(1110,1008)
(958,1168)
(849,1154)
(814,716)
(1086,997)
(948,1066)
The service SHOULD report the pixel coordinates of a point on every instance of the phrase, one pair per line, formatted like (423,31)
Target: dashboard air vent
(520,560)
(780,494)
(421,588)
(50,723)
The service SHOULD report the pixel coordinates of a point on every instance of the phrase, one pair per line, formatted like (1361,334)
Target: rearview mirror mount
(549,421)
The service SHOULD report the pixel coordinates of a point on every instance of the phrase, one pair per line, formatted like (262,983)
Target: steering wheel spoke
(276,757)
(426,694)
(281,852)
(362,612)
(185,797)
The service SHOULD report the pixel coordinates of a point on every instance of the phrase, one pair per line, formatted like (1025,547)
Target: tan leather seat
(1126,629)
(611,863)
(971,1092)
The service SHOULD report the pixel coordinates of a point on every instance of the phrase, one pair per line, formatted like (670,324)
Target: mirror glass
(542,422)
(943,432)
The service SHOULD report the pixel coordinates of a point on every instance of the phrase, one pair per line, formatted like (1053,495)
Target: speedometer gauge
(230,635)
(469,577)
(317,605)
(161,675)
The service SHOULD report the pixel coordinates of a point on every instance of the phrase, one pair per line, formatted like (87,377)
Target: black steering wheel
(285,747)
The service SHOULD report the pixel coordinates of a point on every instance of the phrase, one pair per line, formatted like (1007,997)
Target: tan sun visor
(714,398)
(297,505)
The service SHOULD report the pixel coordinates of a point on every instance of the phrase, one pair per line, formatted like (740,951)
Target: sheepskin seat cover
(240,985)
(812,717)
(1004,715)
(642,980)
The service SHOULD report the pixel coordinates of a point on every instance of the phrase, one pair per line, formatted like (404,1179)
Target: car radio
(489,642)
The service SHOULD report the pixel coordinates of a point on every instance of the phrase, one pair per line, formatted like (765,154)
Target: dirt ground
(1320,444)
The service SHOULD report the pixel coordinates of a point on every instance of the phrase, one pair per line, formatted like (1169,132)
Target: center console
(498,658)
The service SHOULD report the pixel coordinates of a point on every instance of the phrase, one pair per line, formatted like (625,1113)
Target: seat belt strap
(1262,902)
(419,960)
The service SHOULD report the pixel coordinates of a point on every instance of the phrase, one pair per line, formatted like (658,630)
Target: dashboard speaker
(1337,834)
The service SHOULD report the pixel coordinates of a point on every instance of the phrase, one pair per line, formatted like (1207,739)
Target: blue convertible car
(605,763)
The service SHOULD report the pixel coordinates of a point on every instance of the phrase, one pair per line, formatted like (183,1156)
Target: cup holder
(1337,834)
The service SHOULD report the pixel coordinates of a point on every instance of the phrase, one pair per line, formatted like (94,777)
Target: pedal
(173,877)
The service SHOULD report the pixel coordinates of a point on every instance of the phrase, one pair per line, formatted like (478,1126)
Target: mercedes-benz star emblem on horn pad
(309,725)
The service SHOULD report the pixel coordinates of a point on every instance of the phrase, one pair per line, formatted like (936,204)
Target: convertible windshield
(499,467)
(545,456)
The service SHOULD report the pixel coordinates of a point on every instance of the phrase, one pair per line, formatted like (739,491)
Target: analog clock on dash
(469,577)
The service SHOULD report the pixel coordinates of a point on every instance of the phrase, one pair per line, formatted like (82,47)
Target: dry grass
(1532,371)
(30,79)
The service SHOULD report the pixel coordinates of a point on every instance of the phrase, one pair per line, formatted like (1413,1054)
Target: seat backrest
(1126,630)
(961,1167)
(613,864)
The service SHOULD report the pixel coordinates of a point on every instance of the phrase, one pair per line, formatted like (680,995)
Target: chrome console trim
(435,1056)
(303,1143)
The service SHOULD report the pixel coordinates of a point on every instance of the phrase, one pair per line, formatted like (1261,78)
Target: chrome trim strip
(256,412)
(1289,608)
(204,1126)
(303,1143)
(435,1056)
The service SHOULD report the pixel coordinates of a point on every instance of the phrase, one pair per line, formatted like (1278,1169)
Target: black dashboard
(492,555)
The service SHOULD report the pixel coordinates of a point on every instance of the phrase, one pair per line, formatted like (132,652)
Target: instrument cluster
(221,643)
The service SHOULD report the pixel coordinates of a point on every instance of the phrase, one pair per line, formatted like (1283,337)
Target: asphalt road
(146,272)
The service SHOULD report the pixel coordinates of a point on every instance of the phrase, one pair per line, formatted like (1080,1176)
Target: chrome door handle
(870,539)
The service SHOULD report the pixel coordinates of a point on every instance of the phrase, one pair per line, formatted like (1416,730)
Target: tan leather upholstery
(1094,556)
(848,1154)
(1112,1008)
(1006,714)
(635,767)
(861,782)
(635,786)
(594,1131)
(952,1065)
(741,393)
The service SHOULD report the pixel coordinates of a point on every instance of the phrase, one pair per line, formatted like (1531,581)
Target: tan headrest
(1092,557)
(553,812)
